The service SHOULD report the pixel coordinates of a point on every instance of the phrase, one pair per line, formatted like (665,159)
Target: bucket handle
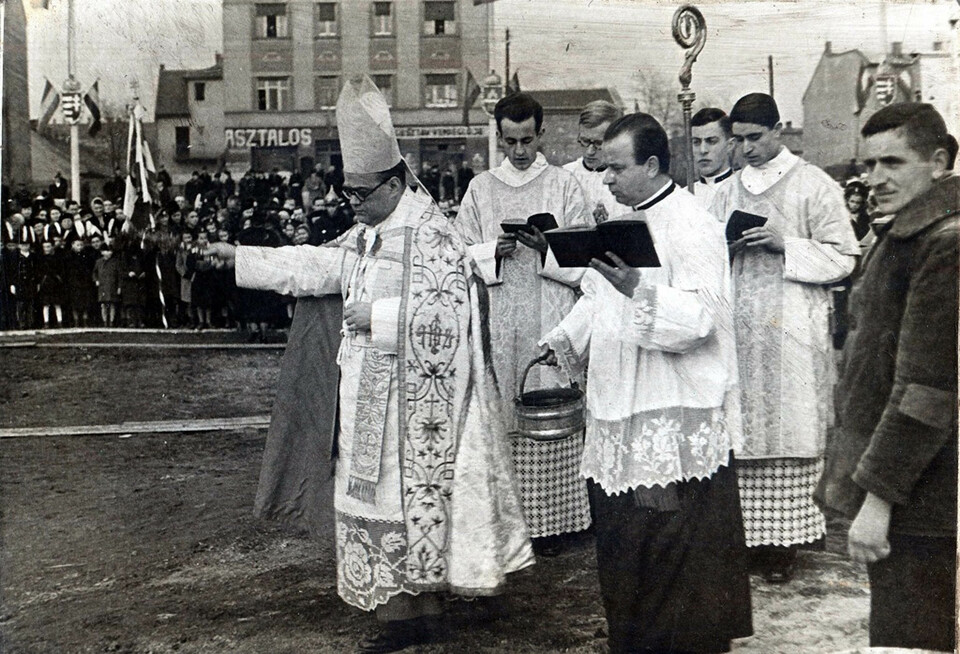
(538,360)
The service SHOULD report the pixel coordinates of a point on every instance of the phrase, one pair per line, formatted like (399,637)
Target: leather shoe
(394,636)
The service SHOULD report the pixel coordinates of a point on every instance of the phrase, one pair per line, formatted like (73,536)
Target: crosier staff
(690,32)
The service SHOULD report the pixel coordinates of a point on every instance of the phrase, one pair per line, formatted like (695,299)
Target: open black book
(740,221)
(574,247)
(542,221)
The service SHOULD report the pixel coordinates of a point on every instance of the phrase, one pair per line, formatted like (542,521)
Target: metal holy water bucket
(548,414)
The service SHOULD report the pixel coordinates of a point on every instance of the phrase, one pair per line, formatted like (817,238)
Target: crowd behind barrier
(67,264)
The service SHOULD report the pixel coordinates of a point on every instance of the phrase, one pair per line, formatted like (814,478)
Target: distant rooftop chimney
(162,66)
(827,47)
(790,122)
(937,46)
(896,48)
(218,58)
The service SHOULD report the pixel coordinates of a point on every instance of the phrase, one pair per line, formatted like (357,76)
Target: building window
(439,18)
(382,18)
(326,19)
(327,89)
(272,21)
(272,93)
(199,91)
(182,136)
(440,91)
(385,84)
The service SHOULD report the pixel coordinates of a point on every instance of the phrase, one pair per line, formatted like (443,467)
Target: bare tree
(656,94)
(115,122)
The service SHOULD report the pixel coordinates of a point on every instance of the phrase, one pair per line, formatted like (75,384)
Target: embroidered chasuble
(423,487)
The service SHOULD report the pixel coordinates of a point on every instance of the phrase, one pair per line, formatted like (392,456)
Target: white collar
(713,180)
(513,176)
(757,179)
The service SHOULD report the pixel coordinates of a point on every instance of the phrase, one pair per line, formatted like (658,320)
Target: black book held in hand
(574,247)
(542,221)
(740,221)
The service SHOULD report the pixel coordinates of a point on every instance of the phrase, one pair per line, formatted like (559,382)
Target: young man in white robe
(529,294)
(781,272)
(662,415)
(712,143)
(595,118)
(424,493)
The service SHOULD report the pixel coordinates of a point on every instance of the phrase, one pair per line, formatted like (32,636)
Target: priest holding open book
(501,218)
(790,236)
(662,414)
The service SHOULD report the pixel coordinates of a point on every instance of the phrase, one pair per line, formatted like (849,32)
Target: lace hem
(655,448)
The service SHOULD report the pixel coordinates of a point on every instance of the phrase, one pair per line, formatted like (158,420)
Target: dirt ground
(146,543)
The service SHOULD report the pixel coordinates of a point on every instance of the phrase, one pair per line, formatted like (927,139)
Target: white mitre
(368,142)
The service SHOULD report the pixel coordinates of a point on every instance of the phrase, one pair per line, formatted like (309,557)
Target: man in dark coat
(893,467)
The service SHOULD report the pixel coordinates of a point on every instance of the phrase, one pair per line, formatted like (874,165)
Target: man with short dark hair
(423,488)
(893,466)
(781,303)
(712,142)
(662,416)
(595,118)
(529,294)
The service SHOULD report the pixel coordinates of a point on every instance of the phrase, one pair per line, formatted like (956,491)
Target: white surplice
(661,394)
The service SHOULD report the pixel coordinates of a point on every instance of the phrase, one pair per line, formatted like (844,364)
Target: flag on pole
(470,94)
(48,105)
(141,174)
(92,99)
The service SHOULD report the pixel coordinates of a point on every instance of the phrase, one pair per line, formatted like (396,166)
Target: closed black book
(574,247)
(542,221)
(740,221)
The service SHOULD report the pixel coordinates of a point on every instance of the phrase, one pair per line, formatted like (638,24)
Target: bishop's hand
(224,252)
(357,316)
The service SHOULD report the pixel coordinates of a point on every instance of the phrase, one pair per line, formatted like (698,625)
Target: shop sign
(441,131)
(241,137)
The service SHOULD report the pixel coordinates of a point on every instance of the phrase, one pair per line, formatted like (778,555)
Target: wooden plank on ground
(142,427)
(150,346)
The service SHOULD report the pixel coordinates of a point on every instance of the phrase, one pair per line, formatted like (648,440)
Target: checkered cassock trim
(553,494)
(776,496)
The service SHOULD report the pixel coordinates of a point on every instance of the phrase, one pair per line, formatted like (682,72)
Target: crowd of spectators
(70,264)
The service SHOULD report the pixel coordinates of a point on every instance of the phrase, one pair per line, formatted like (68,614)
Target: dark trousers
(676,580)
(912,594)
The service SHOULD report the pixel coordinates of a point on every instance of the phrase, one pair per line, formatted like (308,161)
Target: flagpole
(73,86)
